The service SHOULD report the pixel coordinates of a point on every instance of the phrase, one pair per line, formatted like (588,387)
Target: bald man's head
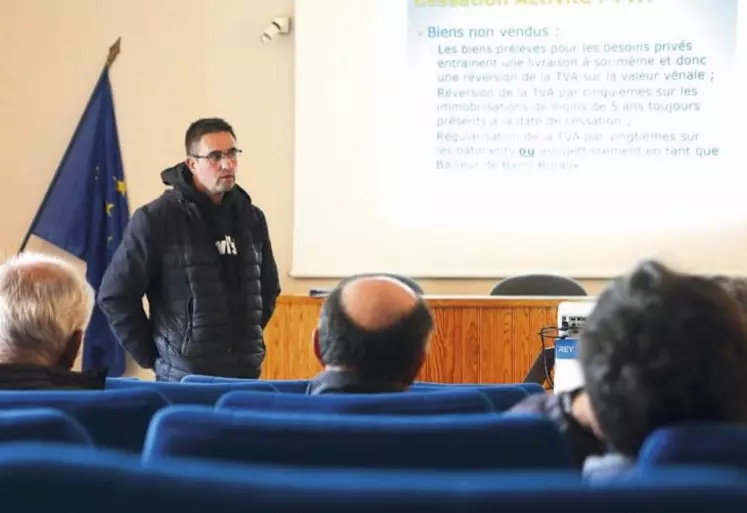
(374,303)
(376,326)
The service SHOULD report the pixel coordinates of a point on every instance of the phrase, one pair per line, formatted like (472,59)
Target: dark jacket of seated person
(19,376)
(372,337)
(45,307)
(571,412)
(347,382)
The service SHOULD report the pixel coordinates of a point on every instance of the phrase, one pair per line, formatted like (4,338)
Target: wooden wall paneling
(276,331)
(449,323)
(522,356)
(437,367)
(303,361)
(469,342)
(496,345)
(454,353)
(486,340)
(288,338)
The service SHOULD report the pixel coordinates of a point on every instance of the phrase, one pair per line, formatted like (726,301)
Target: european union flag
(85,212)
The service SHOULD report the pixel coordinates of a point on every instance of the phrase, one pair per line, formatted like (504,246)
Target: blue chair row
(38,478)
(446,402)
(286,386)
(696,443)
(480,398)
(42,425)
(502,397)
(443,441)
(115,419)
(120,419)
(191,393)
(300,385)
(529,388)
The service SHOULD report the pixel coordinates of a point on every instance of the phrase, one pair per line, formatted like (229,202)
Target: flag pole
(113,52)
(111,57)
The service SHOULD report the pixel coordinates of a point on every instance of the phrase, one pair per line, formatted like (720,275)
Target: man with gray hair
(45,307)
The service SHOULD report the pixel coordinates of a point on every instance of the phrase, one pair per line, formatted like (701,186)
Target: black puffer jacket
(210,278)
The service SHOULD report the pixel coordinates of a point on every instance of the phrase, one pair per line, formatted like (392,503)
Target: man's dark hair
(662,347)
(736,287)
(203,127)
(390,354)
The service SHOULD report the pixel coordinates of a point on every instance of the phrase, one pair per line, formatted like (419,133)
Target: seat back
(502,397)
(532,388)
(696,444)
(100,481)
(116,419)
(445,441)
(281,385)
(538,285)
(435,403)
(41,425)
(193,393)
(529,388)
(290,386)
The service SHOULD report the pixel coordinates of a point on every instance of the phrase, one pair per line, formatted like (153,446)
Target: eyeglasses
(216,157)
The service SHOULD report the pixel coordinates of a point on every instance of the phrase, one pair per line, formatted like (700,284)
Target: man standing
(201,253)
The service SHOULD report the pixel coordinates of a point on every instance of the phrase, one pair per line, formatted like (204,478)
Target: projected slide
(518,85)
(484,138)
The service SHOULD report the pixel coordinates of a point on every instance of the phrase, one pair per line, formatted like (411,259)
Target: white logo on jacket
(226,246)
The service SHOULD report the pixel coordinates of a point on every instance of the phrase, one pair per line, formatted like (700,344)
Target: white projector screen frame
(364,201)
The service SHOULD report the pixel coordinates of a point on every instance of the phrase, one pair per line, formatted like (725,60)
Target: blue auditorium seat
(192,393)
(42,478)
(282,385)
(532,388)
(290,386)
(448,401)
(696,444)
(116,419)
(443,441)
(529,388)
(502,397)
(41,425)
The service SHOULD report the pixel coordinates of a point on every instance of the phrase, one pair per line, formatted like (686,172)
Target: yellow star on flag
(121,186)
(109,207)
